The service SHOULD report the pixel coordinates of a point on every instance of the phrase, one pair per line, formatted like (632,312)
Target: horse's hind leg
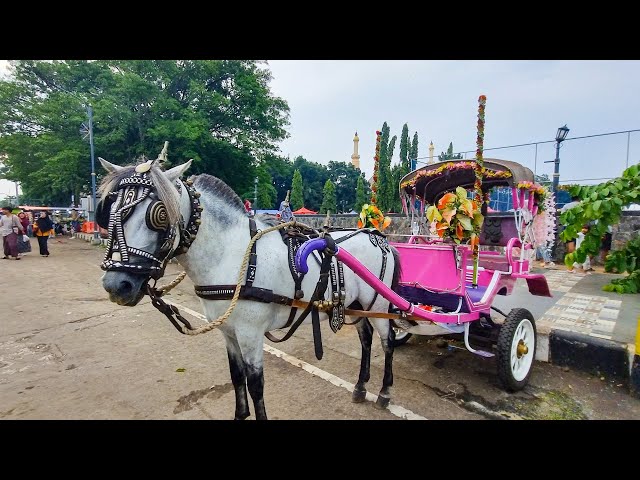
(365,332)
(238,377)
(387,335)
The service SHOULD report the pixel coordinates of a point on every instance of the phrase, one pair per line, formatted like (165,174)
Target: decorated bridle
(116,210)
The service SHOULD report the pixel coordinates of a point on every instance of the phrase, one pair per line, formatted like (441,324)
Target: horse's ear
(108,166)
(176,172)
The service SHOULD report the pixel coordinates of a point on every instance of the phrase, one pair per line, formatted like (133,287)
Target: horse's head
(151,215)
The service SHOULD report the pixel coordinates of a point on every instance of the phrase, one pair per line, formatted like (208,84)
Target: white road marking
(396,410)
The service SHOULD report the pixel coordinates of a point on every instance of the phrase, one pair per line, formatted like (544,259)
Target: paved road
(66,352)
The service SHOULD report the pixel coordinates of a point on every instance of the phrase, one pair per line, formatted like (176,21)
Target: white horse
(154,216)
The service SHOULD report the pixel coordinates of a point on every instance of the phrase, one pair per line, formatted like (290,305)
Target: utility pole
(255,194)
(93,175)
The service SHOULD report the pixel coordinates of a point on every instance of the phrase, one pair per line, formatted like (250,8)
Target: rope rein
(241,274)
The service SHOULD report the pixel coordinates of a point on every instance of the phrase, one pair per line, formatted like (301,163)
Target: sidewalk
(590,329)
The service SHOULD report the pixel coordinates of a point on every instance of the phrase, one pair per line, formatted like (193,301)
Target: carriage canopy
(430,182)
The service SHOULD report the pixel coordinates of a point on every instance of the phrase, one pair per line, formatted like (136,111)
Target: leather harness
(125,198)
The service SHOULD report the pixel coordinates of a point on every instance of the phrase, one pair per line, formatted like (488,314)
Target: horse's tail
(396,269)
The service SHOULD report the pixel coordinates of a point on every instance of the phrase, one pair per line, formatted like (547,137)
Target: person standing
(43,227)
(24,220)
(9,238)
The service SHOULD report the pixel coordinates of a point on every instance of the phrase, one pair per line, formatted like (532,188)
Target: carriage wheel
(516,349)
(402,336)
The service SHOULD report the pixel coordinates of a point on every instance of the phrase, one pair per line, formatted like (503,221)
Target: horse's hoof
(382,402)
(359,396)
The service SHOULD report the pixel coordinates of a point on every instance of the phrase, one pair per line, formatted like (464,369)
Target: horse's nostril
(125,287)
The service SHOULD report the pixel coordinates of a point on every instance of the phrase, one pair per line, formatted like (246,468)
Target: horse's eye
(157,218)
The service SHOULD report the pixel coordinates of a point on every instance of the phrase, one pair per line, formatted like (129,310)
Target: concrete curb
(88,237)
(634,377)
(592,355)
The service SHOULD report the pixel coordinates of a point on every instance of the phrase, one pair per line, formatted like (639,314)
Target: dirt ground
(66,352)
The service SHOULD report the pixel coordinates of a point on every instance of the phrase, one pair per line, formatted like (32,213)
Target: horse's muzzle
(124,288)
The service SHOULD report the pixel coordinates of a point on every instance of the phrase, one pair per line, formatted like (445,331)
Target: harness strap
(225,292)
(253,259)
(318,293)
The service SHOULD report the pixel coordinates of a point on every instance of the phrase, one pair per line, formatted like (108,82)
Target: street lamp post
(560,137)
(255,194)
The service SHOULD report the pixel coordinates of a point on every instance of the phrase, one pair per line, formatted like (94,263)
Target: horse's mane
(215,186)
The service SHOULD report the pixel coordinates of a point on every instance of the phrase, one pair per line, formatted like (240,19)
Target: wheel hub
(522,349)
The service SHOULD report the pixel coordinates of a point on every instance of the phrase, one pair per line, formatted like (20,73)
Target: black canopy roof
(430,182)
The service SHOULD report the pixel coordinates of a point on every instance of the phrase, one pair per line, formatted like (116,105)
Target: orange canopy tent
(304,211)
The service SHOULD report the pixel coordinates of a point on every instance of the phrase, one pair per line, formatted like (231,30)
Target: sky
(526,102)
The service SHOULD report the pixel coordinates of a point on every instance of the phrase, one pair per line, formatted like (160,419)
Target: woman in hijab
(43,227)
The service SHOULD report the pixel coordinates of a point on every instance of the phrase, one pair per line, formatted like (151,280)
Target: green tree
(345,177)
(601,206)
(413,152)
(328,198)
(404,146)
(281,171)
(543,180)
(315,176)
(218,112)
(385,179)
(297,197)
(449,154)
(362,196)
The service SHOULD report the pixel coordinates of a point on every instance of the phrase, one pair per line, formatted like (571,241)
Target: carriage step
(483,353)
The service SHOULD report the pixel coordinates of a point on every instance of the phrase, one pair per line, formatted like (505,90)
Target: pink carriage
(436,294)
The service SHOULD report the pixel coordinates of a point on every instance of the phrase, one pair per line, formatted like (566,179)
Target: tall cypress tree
(328,198)
(297,198)
(361,194)
(404,146)
(413,152)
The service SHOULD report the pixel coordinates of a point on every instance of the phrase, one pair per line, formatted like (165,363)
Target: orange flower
(446,198)
(360,224)
(459,231)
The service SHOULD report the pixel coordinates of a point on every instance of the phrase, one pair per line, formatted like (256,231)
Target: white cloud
(526,102)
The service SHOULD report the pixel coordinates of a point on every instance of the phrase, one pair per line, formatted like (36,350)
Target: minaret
(431,149)
(355,158)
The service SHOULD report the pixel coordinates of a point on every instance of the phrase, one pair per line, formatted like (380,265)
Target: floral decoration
(540,193)
(457,217)
(470,165)
(372,217)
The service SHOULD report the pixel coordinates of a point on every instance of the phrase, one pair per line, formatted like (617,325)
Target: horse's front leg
(387,337)
(253,354)
(365,332)
(238,377)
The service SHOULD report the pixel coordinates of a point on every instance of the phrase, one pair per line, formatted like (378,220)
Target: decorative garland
(540,193)
(376,167)
(479,198)
(455,166)
(479,165)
